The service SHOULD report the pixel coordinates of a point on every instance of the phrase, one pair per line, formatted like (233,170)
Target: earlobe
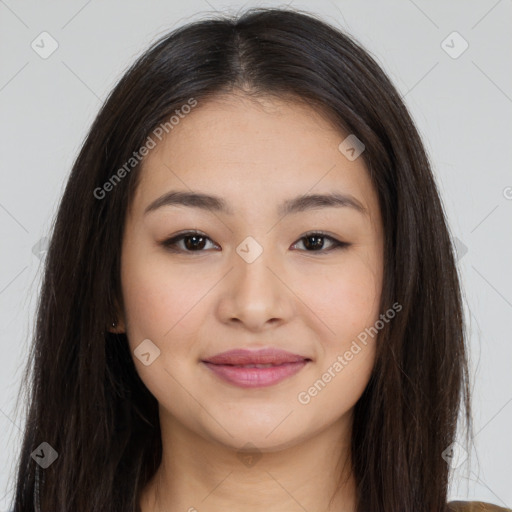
(116,328)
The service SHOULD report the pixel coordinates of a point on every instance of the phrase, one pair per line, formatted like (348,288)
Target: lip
(231,366)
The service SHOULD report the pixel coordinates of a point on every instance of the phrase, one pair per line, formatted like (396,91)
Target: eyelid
(336,243)
(169,243)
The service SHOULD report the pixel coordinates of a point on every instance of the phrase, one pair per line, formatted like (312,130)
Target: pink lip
(229,366)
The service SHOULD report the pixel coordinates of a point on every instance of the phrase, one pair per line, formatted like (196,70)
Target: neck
(199,474)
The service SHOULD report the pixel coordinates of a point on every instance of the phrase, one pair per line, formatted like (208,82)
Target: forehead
(248,150)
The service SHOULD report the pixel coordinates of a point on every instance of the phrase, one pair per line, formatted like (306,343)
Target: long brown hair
(85,398)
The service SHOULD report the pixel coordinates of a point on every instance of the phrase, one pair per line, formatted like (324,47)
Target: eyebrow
(289,206)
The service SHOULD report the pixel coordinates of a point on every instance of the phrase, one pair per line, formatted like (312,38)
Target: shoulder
(474,506)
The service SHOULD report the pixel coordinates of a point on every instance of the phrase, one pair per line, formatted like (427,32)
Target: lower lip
(256,377)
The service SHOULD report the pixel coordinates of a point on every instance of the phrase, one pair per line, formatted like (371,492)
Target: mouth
(253,369)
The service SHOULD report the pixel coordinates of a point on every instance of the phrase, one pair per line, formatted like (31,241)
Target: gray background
(462,107)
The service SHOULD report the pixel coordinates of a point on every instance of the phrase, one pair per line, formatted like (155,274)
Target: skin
(191,305)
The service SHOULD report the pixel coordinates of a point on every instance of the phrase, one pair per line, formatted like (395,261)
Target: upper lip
(263,356)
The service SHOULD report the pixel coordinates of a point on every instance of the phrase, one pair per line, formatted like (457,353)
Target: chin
(266,433)
(251,440)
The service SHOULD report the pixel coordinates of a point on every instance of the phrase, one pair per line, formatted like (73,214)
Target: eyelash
(170,243)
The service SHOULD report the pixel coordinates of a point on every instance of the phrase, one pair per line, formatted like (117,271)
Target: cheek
(348,303)
(157,296)
(357,298)
(345,298)
(159,302)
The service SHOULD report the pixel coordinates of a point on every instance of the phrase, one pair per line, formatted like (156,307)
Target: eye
(195,241)
(315,242)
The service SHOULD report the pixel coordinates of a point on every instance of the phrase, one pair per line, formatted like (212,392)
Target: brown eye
(196,242)
(315,242)
(192,242)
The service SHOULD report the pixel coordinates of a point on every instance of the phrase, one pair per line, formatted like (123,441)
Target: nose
(256,295)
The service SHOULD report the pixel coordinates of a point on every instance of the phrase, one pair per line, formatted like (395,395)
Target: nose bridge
(253,278)
(254,294)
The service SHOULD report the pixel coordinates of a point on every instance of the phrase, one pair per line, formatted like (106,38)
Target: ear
(117,324)
(117,327)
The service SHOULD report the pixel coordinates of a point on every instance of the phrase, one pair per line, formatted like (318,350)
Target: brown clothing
(474,506)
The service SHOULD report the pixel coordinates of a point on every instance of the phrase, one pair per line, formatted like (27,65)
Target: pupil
(315,244)
(193,246)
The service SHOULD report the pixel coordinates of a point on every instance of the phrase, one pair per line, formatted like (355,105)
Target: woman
(311,355)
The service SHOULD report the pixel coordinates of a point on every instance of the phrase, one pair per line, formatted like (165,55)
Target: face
(253,275)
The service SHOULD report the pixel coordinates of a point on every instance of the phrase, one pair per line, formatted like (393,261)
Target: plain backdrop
(460,99)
